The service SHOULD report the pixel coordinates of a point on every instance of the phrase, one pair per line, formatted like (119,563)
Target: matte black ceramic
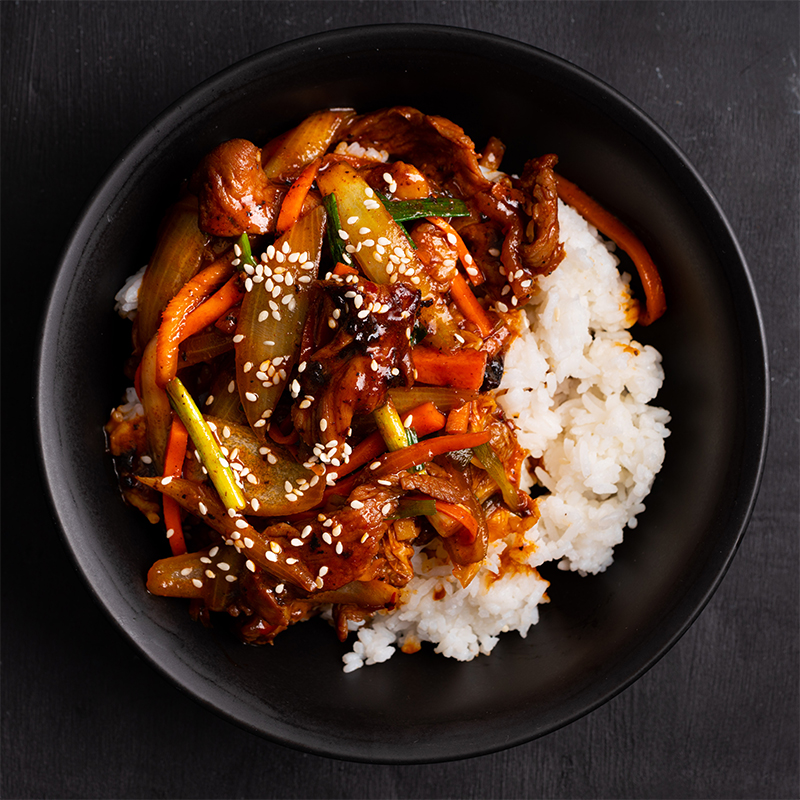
(599,633)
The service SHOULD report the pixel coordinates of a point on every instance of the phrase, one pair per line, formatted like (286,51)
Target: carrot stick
(173,468)
(212,309)
(623,237)
(468,304)
(460,515)
(424,451)
(344,269)
(293,202)
(463,253)
(463,369)
(173,321)
(458,419)
(424,419)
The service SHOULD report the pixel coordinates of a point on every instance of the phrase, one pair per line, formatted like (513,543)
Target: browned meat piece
(234,193)
(437,256)
(541,251)
(399,181)
(339,547)
(364,331)
(436,146)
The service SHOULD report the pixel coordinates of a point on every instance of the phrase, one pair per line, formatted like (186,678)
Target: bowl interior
(598,633)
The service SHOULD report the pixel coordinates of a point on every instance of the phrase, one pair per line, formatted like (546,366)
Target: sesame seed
(288,560)
(375,465)
(147,459)
(251,396)
(326,537)
(197,582)
(386,508)
(186,571)
(339,548)
(323,571)
(203,508)
(292,497)
(241,524)
(167,480)
(210,574)
(279,588)
(230,578)
(323,424)
(364,538)
(250,565)
(231,387)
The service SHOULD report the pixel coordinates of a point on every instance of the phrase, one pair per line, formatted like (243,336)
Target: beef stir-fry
(318,335)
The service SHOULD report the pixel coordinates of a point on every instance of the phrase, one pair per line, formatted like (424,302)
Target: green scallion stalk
(391,427)
(407,210)
(494,467)
(210,454)
(334,225)
(247,254)
(409,508)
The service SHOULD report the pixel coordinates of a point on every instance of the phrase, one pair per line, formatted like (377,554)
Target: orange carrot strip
(293,202)
(425,419)
(453,238)
(365,452)
(342,488)
(424,451)
(468,304)
(463,369)
(190,296)
(624,238)
(173,468)
(458,419)
(212,309)
(344,269)
(460,515)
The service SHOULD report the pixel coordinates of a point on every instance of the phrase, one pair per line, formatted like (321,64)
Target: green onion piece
(247,254)
(412,437)
(406,210)
(334,225)
(408,508)
(220,473)
(494,467)
(391,427)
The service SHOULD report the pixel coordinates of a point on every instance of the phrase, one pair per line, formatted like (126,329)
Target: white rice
(577,387)
(126,300)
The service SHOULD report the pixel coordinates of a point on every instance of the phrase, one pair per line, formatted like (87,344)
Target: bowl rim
(404,36)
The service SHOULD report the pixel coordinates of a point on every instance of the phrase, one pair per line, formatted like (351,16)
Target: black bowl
(599,633)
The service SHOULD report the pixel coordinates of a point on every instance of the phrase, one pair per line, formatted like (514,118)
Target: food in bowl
(378,379)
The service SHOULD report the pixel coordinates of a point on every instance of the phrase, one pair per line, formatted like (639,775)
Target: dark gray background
(84,716)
